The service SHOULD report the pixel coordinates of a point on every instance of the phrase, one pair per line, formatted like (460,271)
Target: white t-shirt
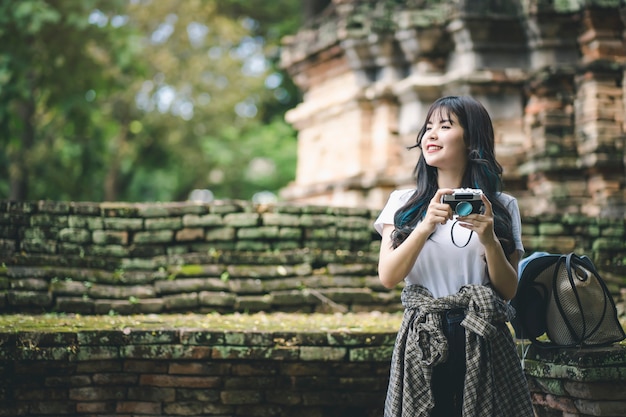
(443,267)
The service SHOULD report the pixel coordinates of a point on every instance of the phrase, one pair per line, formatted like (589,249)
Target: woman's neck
(447,179)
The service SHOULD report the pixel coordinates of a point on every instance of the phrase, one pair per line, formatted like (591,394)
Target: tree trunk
(112,179)
(18,163)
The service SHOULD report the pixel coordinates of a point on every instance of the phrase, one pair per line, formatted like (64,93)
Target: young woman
(454,354)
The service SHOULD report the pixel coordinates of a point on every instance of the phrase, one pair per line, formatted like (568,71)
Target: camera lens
(463,208)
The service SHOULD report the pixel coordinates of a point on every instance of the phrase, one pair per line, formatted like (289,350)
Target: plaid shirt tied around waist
(495,385)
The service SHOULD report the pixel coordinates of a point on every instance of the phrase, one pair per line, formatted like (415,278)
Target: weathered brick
(189,234)
(153,236)
(38,246)
(252,245)
(241,219)
(258,383)
(220,234)
(198,368)
(216,298)
(47,206)
(180,381)
(280,219)
(163,223)
(92,366)
(39,394)
(204,395)
(145,366)
(109,250)
(283,397)
(203,338)
(85,222)
(317,219)
(252,369)
(248,339)
(151,394)
(262,232)
(180,301)
(292,233)
(241,352)
(30,284)
(370,354)
(51,408)
(67,381)
(183,285)
(96,407)
(97,393)
(115,223)
(85,208)
(29,298)
(92,353)
(321,233)
(238,397)
(120,292)
(322,353)
(245,286)
(138,407)
(194,220)
(184,408)
(115,379)
(254,303)
(159,352)
(105,237)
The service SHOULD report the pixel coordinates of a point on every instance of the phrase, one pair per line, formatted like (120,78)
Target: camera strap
(452,236)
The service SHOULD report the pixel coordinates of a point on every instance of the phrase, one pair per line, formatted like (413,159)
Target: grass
(374,322)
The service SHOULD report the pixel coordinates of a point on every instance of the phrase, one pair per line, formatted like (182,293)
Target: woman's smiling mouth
(432,148)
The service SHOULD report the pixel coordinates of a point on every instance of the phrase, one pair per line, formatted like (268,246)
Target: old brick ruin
(224,257)
(165,371)
(550,73)
(159,258)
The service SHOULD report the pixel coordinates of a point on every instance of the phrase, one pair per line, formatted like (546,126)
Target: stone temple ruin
(551,74)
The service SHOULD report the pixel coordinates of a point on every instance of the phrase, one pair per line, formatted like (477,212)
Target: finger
(440,193)
(488,208)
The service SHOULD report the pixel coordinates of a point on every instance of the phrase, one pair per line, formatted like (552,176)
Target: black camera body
(464,201)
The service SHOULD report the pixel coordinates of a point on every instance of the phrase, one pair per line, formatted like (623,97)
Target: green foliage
(145,100)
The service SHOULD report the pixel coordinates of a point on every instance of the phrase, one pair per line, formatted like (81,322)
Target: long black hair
(482,170)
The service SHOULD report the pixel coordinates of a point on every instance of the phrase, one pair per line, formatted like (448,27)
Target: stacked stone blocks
(194,372)
(102,258)
(151,258)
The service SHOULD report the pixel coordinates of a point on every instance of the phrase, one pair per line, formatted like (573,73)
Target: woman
(454,354)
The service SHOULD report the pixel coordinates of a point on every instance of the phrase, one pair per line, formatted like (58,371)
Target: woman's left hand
(481,224)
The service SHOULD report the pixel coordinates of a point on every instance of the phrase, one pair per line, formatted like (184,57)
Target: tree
(50,58)
(143,100)
(213,83)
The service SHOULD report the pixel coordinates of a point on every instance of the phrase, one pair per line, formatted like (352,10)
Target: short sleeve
(396,200)
(516,223)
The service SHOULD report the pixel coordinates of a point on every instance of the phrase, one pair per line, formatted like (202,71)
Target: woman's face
(443,146)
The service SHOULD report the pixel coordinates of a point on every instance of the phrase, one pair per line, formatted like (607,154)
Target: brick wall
(551,75)
(96,258)
(577,382)
(197,372)
(155,258)
(191,372)
(101,258)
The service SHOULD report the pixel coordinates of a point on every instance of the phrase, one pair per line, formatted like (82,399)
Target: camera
(464,201)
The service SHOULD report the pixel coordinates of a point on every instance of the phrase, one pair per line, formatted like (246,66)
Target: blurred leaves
(143,100)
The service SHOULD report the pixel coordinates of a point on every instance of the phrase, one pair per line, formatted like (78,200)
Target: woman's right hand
(437,212)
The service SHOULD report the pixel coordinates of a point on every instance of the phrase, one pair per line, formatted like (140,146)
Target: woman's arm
(395,264)
(502,270)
